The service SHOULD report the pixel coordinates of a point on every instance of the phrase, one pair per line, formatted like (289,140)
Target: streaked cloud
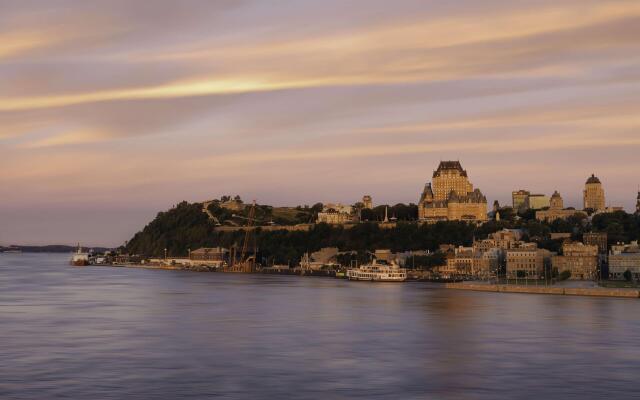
(120,103)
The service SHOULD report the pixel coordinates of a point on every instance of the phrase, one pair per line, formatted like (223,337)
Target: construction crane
(245,265)
(247,234)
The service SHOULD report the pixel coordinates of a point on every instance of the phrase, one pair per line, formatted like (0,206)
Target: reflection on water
(99,332)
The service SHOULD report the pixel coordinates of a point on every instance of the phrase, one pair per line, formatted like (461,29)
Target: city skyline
(111,112)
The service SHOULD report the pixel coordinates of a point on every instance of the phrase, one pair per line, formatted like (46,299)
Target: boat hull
(376,277)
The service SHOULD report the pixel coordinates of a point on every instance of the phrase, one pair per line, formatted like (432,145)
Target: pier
(562,291)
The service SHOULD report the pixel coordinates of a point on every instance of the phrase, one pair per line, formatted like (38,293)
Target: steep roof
(593,179)
(449,165)
(426,193)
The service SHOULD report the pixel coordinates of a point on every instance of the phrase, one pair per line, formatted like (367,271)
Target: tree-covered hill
(186,227)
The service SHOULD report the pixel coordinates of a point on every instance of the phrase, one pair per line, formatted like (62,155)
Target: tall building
(593,194)
(638,204)
(520,200)
(451,196)
(367,202)
(538,201)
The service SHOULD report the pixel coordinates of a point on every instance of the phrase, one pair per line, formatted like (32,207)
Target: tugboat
(378,271)
(80,258)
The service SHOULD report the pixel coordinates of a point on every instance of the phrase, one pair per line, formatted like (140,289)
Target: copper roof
(449,165)
(593,179)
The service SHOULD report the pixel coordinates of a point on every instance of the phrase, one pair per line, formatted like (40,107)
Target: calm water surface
(115,333)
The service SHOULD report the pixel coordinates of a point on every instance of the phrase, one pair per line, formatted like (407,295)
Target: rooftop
(593,179)
(448,166)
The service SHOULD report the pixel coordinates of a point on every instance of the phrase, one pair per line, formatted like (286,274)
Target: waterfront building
(367,202)
(520,200)
(579,259)
(622,258)
(462,261)
(593,194)
(538,201)
(326,257)
(209,254)
(336,213)
(527,261)
(556,210)
(598,239)
(406,258)
(451,197)
(487,263)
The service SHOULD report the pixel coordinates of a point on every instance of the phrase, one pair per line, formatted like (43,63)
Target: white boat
(80,258)
(378,271)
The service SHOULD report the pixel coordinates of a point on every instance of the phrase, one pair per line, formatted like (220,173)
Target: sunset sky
(111,111)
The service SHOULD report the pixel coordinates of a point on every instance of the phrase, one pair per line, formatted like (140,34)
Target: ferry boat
(80,258)
(378,271)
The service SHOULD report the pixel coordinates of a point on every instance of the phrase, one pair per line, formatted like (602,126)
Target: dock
(561,291)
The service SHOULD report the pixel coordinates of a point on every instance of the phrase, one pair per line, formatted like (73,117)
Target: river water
(116,333)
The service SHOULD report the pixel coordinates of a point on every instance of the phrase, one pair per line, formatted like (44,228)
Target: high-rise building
(538,201)
(638,204)
(451,196)
(367,202)
(520,200)
(450,177)
(593,194)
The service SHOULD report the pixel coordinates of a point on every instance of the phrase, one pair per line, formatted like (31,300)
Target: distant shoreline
(52,248)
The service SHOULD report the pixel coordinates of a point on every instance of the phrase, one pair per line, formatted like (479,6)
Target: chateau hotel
(451,196)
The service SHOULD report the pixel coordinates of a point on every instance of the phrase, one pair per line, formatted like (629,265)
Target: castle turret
(427,194)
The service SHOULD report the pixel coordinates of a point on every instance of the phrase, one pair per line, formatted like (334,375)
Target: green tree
(564,275)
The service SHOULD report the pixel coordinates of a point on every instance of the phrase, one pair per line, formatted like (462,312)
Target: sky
(111,111)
